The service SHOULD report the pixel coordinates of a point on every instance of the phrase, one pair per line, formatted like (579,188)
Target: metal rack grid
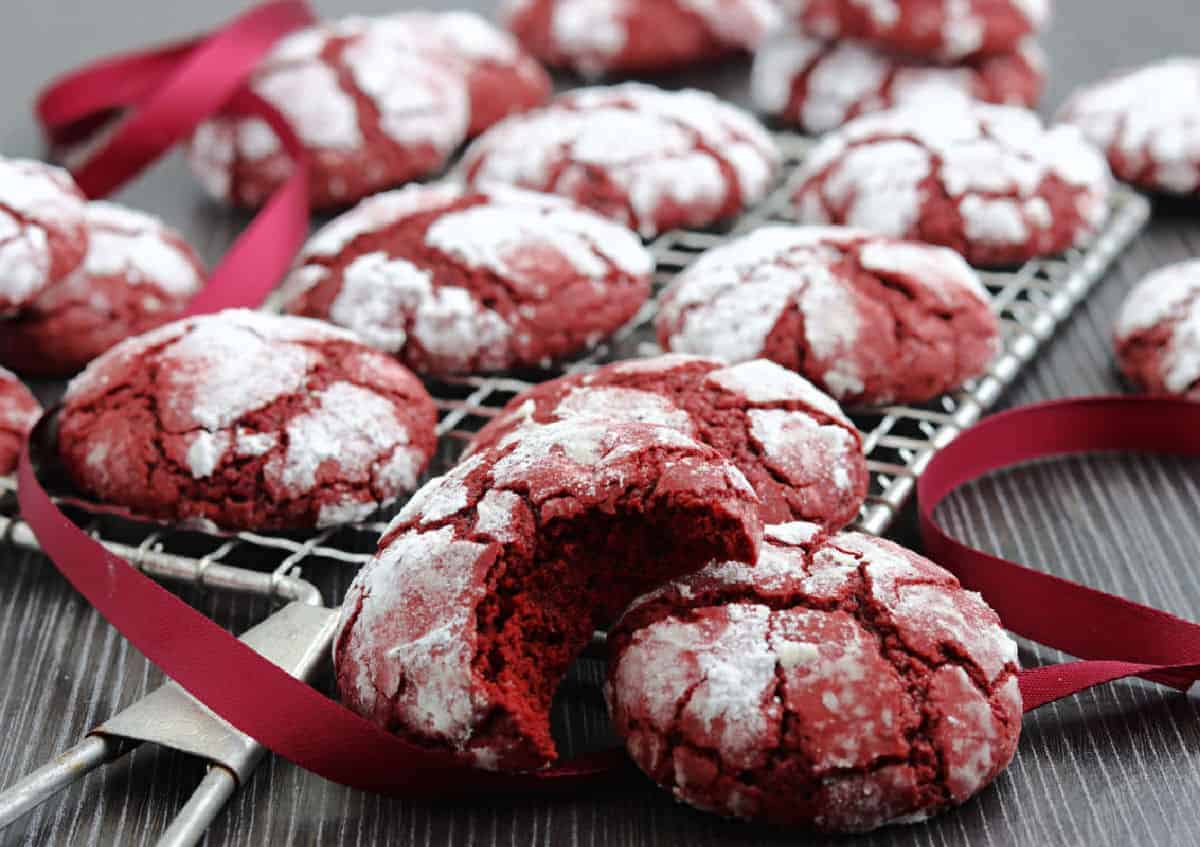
(899,440)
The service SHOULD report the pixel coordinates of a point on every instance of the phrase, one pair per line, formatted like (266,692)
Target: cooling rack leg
(205,804)
(52,777)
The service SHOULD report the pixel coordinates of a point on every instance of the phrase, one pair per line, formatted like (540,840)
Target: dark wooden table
(1115,766)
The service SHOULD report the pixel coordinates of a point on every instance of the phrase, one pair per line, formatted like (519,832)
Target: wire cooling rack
(1031,302)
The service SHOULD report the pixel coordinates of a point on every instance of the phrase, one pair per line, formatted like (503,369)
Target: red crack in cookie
(502,78)
(1147,121)
(138,274)
(371,114)
(246,421)
(494,577)
(652,159)
(43,236)
(803,457)
(818,86)
(868,319)
(595,37)
(935,29)
(1158,332)
(19,411)
(842,683)
(989,181)
(456,281)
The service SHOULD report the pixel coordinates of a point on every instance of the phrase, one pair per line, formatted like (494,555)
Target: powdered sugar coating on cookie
(138,274)
(798,450)
(594,37)
(988,181)
(432,640)
(818,86)
(771,693)
(371,114)
(1158,331)
(248,421)
(649,158)
(943,30)
(501,77)
(868,319)
(43,236)
(19,411)
(453,280)
(1147,121)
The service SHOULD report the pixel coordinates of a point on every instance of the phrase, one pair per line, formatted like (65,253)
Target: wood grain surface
(1120,765)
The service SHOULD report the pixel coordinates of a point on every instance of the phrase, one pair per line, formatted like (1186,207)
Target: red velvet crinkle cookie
(818,85)
(502,78)
(988,181)
(596,37)
(802,455)
(936,29)
(19,411)
(649,158)
(43,236)
(1158,332)
(868,319)
(370,113)
(457,281)
(246,421)
(138,274)
(1148,122)
(841,684)
(493,578)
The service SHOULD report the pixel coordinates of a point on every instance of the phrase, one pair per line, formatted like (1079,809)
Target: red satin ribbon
(169,91)
(1115,637)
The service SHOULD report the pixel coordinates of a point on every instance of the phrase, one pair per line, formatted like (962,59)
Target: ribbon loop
(1116,637)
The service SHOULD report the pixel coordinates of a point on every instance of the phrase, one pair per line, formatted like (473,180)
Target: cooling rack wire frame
(1032,301)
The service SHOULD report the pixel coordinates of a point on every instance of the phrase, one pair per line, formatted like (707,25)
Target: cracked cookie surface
(987,181)
(818,86)
(868,319)
(138,274)
(946,30)
(1146,121)
(460,281)
(648,158)
(842,683)
(1158,332)
(19,411)
(43,235)
(370,114)
(494,576)
(595,37)
(501,77)
(794,445)
(246,421)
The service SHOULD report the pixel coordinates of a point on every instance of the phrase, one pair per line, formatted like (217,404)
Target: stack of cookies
(845,58)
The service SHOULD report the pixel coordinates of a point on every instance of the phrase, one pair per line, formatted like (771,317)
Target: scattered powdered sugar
(138,247)
(798,448)
(381,298)
(350,428)
(590,31)
(877,166)
(441,497)
(35,199)
(793,533)
(422,657)
(206,451)
(377,213)
(777,62)
(941,270)
(19,411)
(741,23)
(496,514)
(1143,114)
(643,138)
(762,381)
(627,405)
(1170,294)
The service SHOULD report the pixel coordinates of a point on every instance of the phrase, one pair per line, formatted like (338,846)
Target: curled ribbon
(168,92)
(1114,637)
